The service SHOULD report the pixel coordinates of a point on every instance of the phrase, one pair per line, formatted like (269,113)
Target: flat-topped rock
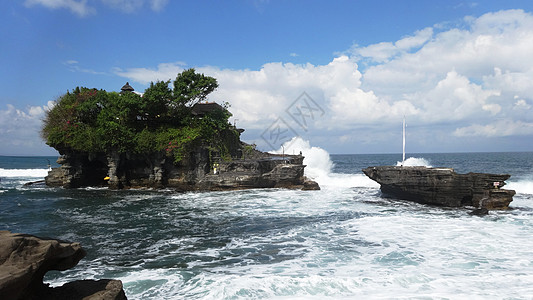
(443,186)
(199,171)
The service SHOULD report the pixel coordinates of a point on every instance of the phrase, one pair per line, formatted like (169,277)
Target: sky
(339,74)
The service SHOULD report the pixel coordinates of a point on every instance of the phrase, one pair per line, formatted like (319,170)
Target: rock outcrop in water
(164,138)
(443,186)
(198,171)
(25,259)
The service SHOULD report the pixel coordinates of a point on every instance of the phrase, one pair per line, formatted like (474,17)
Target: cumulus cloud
(499,128)
(502,40)
(384,51)
(455,98)
(19,130)
(521,104)
(465,76)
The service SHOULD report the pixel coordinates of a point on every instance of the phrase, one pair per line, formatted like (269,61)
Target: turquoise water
(342,242)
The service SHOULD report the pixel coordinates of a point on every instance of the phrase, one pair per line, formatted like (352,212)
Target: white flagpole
(403,156)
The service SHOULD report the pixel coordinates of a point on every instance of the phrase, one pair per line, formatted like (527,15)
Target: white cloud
(384,51)
(463,76)
(74,66)
(127,6)
(417,40)
(82,9)
(512,82)
(158,5)
(502,40)
(522,105)
(454,98)
(258,97)
(19,130)
(499,128)
(78,7)
(163,72)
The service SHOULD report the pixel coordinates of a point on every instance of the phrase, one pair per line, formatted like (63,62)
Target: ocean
(345,241)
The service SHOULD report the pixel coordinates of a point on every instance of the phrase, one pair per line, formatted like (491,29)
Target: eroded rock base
(25,259)
(443,186)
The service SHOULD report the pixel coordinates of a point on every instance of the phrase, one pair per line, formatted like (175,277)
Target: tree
(96,121)
(155,102)
(191,87)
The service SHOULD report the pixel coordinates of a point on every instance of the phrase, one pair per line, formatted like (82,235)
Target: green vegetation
(96,121)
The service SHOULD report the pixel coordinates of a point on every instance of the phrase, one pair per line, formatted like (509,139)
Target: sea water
(345,241)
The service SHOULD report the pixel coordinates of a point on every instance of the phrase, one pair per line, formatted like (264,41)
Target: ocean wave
(346,180)
(414,162)
(521,186)
(17,173)
(319,166)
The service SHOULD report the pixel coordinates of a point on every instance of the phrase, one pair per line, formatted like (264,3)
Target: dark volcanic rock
(310,185)
(479,212)
(442,186)
(104,289)
(25,259)
(197,172)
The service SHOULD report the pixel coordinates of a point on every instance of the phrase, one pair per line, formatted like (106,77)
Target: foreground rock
(199,171)
(443,186)
(25,259)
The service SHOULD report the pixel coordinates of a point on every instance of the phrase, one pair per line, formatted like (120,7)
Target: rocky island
(443,186)
(164,138)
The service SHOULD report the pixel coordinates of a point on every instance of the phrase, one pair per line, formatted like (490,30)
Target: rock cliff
(198,171)
(25,259)
(443,186)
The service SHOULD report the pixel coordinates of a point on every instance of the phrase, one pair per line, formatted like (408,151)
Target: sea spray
(415,162)
(521,186)
(337,243)
(319,166)
(20,173)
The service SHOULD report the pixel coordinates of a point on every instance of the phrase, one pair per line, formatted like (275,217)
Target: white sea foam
(521,186)
(319,166)
(18,173)
(337,243)
(347,180)
(415,162)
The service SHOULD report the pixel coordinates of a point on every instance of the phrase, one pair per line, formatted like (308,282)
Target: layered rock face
(443,186)
(25,259)
(197,172)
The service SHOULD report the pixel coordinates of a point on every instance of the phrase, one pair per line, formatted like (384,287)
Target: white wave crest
(347,180)
(415,162)
(521,186)
(319,166)
(21,173)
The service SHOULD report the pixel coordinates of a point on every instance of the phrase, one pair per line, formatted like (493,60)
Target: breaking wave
(22,173)
(319,166)
(521,186)
(415,162)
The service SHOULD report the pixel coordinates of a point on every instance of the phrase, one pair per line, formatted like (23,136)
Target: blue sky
(461,72)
